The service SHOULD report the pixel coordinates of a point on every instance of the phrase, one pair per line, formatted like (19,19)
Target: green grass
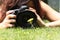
(30,34)
(39,33)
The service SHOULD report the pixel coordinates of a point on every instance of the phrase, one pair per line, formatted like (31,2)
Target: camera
(24,17)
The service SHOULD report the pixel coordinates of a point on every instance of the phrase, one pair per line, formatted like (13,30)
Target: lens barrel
(23,17)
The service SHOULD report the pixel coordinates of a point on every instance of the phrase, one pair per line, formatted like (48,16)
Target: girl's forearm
(53,24)
(50,24)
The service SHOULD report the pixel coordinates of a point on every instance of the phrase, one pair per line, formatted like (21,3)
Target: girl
(5,14)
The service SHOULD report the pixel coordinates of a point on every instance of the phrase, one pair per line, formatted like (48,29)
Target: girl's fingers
(2,25)
(33,10)
(11,16)
(10,25)
(12,21)
(9,12)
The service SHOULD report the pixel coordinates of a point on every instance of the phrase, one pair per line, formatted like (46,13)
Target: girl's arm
(50,13)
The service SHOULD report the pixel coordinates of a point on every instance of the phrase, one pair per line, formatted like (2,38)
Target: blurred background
(54,4)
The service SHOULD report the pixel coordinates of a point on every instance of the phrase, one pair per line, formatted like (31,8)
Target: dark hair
(8,3)
(12,3)
(37,6)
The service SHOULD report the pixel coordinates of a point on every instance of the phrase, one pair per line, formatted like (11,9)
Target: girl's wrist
(1,26)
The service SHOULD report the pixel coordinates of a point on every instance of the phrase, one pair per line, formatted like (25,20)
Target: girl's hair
(12,3)
(37,6)
(8,3)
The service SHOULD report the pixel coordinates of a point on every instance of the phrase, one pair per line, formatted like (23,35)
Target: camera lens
(23,17)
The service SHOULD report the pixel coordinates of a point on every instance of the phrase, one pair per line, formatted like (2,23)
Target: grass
(41,33)
(30,34)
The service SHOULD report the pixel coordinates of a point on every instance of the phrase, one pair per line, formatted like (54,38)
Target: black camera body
(24,17)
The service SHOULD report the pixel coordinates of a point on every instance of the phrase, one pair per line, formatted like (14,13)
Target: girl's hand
(7,21)
(39,20)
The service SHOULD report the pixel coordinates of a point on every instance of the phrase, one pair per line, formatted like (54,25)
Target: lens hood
(23,17)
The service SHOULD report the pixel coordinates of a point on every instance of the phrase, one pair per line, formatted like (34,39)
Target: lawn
(30,34)
(39,33)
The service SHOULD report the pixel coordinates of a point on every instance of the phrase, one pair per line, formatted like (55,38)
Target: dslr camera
(24,17)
